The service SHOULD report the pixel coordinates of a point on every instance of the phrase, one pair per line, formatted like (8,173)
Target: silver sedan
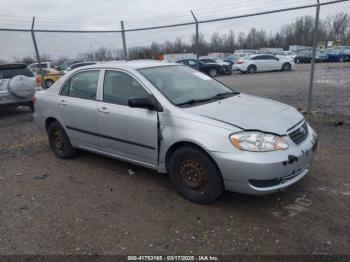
(176,120)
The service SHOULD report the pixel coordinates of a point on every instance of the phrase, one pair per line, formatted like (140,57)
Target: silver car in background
(176,120)
(17,86)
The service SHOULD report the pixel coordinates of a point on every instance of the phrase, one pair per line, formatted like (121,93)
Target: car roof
(135,64)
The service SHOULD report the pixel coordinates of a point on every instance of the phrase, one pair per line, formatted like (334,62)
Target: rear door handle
(62,102)
(103,110)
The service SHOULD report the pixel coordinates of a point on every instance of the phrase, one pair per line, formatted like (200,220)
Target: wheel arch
(49,121)
(180,144)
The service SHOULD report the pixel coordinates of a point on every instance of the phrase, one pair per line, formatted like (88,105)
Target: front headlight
(258,141)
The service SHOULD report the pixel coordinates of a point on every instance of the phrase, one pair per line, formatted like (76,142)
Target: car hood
(251,113)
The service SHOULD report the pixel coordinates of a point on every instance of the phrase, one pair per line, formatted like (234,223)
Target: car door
(129,133)
(259,62)
(77,108)
(274,63)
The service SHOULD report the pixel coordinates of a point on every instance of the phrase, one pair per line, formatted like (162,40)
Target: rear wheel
(286,67)
(251,69)
(59,141)
(194,175)
(31,106)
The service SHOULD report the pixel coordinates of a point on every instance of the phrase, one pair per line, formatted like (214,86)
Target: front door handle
(103,110)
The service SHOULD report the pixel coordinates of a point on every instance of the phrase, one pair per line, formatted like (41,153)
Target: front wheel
(59,141)
(195,176)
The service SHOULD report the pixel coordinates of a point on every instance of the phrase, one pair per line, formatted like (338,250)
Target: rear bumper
(267,172)
(12,100)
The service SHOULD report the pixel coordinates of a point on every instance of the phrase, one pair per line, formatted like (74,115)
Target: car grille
(299,134)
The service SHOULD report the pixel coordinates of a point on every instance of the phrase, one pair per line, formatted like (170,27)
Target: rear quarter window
(10,73)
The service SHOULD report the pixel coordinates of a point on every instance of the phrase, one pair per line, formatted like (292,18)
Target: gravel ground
(96,205)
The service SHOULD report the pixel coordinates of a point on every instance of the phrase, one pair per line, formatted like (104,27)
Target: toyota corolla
(176,120)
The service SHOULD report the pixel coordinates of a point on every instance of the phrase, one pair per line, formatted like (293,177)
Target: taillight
(240,62)
(38,81)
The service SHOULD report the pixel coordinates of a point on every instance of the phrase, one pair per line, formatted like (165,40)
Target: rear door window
(82,85)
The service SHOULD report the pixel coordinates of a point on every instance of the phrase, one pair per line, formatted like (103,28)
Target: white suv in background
(262,62)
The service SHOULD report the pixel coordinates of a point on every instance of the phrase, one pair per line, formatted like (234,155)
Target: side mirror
(148,103)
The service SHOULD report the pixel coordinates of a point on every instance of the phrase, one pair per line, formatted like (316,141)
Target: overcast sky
(107,14)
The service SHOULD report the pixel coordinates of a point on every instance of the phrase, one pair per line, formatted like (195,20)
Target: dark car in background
(231,59)
(338,55)
(306,57)
(225,68)
(303,57)
(76,65)
(209,69)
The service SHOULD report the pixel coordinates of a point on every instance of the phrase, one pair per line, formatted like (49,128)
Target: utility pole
(124,41)
(313,59)
(197,39)
(37,54)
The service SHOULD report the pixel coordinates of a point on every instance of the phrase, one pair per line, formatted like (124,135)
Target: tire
(48,83)
(195,176)
(251,69)
(213,72)
(59,141)
(31,106)
(286,67)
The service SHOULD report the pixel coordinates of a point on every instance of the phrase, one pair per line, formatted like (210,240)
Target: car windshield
(182,85)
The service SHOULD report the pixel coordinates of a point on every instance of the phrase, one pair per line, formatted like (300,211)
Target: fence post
(37,54)
(313,59)
(124,41)
(197,39)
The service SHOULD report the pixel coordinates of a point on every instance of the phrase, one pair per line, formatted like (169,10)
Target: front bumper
(260,173)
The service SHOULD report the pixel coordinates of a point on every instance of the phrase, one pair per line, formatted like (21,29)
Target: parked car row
(323,56)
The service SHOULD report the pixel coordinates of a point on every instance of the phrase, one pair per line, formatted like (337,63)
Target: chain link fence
(317,28)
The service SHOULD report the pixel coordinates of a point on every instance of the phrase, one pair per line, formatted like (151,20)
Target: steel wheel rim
(58,139)
(193,175)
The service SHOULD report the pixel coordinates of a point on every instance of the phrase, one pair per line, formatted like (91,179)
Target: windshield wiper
(217,96)
(193,101)
(224,94)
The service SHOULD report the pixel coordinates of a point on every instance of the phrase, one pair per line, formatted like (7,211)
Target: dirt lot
(96,205)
